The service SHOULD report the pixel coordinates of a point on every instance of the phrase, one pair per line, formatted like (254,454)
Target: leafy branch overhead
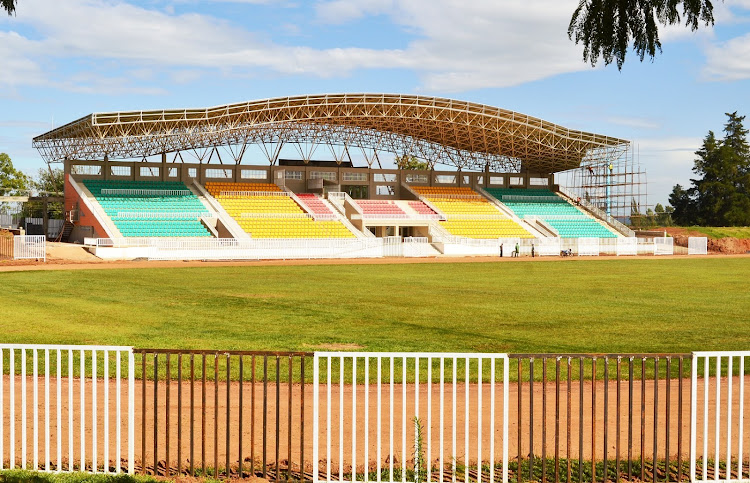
(607,27)
(9,6)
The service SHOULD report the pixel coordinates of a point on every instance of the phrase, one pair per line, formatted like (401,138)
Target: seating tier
(569,221)
(470,214)
(150,208)
(265,211)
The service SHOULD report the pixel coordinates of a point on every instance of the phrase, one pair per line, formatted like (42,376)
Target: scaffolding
(610,179)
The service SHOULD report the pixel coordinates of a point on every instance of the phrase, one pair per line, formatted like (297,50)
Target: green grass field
(579,305)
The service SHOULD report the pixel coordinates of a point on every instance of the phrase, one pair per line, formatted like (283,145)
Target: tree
(409,161)
(682,201)
(49,181)
(720,195)
(607,27)
(9,6)
(12,181)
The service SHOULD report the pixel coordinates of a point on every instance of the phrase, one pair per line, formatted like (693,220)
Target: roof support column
(163,166)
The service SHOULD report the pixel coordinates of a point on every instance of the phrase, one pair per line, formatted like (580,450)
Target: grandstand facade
(185,174)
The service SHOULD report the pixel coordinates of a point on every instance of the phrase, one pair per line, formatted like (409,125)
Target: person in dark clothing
(532,250)
(501,250)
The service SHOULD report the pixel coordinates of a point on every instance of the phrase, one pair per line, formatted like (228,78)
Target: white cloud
(669,161)
(483,43)
(455,45)
(459,46)
(728,61)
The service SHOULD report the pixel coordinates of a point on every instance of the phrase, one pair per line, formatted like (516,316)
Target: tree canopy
(49,181)
(408,161)
(9,6)
(720,195)
(607,27)
(12,181)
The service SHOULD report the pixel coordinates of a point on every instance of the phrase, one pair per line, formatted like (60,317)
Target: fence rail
(88,376)
(715,416)
(402,442)
(145,192)
(30,247)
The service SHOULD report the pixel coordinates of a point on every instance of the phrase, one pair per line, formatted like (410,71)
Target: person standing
(517,251)
(501,250)
(532,250)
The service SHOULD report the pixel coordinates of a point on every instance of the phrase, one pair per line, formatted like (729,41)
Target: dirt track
(64,264)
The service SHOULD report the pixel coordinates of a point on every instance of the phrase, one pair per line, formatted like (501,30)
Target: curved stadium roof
(439,130)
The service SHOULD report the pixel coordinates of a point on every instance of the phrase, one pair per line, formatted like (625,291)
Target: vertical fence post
(316,414)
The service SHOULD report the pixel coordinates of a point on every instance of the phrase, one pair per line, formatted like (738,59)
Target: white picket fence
(724,435)
(97,384)
(30,247)
(348,431)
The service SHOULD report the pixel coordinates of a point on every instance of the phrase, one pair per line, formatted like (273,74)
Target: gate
(712,420)
(30,246)
(697,245)
(390,416)
(588,247)
(48,377)
(663,245)
(393,246)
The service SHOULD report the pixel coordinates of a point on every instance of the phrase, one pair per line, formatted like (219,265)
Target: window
(119,170)
(416,178)
(86,169)
(293,175)
(192,172)
(445,179)
(327,175)
(480,179)
(346,176)
(383,190)
(172,172)
(516,180)
(465,179)
(497,180)
(219,173)
(148,172)
(385,178)
(254,174)
(539,181)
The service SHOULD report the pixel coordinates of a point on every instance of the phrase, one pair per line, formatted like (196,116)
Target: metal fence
(391,416)
(663,245)
(48,389)
(360,417)
(589,418)
(697,245)
(6,247)
(223,414)
(717,418)
(30,247)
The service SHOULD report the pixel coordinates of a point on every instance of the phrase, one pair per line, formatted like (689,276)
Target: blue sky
(60,60)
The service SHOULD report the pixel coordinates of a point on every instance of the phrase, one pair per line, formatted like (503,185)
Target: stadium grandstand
(188,175)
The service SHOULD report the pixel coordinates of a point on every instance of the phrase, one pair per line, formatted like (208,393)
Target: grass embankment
(717,232)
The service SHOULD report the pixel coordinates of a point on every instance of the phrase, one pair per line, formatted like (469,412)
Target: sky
(61,60)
